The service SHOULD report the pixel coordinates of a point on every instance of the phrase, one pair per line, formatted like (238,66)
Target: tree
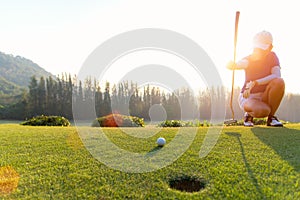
(107,101)
(41,96)
(98,102)
(33,97)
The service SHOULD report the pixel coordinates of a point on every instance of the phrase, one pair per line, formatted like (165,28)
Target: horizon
(117,81)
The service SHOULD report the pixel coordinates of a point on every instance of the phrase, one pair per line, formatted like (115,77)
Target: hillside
(15,73)
(7,87)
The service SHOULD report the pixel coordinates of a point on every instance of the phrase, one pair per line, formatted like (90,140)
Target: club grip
(237,16)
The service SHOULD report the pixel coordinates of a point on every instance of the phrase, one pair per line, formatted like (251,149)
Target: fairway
(246,163)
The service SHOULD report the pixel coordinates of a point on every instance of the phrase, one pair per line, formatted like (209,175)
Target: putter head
(231,121)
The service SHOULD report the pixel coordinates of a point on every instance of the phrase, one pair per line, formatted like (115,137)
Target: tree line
(56,96)
(60,96)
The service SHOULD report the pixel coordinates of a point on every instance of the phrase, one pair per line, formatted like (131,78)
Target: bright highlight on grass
(9,180)
(74,142)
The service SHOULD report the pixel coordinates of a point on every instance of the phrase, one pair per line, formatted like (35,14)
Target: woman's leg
(273,94)
(256,108)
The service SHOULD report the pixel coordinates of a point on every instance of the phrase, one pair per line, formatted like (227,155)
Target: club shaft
(237,16)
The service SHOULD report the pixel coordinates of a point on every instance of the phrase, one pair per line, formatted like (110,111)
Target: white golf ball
(161,141)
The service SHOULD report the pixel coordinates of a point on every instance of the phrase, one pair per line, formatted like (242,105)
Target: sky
(60,35)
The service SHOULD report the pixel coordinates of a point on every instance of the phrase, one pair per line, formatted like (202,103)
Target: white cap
(262,40)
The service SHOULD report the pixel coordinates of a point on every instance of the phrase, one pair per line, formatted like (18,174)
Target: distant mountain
(15,73)
(7,87)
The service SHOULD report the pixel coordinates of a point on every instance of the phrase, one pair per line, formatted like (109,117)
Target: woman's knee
(277,83)
(257,109)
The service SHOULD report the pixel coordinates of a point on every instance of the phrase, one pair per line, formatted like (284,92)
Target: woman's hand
(248,88)
(231,65)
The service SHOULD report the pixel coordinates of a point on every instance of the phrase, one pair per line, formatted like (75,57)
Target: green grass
(246,163)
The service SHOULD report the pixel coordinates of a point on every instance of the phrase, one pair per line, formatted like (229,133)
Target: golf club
(232,121)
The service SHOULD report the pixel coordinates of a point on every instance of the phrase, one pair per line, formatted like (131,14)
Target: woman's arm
(275,73)
(242,64)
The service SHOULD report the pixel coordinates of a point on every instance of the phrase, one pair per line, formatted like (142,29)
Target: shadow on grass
(284,141)
(155,149)
(247,165)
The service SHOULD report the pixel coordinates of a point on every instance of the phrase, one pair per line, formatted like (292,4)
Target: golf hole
(187,183)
